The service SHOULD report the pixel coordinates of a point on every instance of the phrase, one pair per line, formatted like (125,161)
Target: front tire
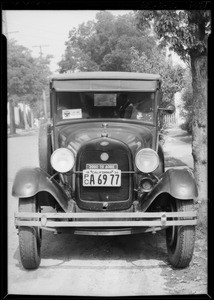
(180,239)
(29,237)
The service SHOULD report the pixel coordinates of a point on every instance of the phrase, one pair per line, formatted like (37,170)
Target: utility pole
(40,47)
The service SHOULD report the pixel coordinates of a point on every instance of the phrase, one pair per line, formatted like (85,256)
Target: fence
(170,119)
(19,116)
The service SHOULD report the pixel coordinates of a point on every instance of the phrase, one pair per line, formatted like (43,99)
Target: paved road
(81,265)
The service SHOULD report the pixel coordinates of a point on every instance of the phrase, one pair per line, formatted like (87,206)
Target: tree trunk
(12,118)
(25,116)
(199,130)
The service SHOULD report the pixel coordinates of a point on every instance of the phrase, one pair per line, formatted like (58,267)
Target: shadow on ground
(173,162)
(184,138)
(131,248)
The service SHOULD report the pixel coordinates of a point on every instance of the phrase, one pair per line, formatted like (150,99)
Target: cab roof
(105,75)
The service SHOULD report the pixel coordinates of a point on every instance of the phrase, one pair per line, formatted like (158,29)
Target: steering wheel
(148,117)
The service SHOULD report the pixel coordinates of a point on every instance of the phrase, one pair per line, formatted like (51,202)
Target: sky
(49,29)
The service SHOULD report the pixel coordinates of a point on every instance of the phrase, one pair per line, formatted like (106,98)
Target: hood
(135,136)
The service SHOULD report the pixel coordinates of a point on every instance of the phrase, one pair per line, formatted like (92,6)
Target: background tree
(172,76)
(42,73)
(187,32)
(187,103)
(27,78)
(105,44)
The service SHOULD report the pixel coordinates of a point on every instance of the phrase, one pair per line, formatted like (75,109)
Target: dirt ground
(192,280)
(102,266)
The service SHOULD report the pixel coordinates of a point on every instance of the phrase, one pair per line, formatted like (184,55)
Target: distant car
(102,167)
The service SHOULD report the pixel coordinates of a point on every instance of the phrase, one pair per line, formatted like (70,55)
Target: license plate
(102,177)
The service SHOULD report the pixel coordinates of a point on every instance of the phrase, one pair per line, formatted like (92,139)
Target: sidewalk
(178,148)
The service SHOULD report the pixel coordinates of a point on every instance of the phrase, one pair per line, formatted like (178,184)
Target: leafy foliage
(186,31)
(105,44)
(114,44)
(27,76)
(172,76)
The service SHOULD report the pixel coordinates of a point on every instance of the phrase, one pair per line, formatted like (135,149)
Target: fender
(179,183)
(29,181)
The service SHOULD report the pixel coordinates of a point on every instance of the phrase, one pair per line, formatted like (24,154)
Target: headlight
(62,160)
(146,160)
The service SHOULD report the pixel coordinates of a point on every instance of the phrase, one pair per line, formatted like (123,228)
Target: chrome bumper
(124,219)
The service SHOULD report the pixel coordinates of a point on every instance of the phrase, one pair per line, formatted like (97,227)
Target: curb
(22,133)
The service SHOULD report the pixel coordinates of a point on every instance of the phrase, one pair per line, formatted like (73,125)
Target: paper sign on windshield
(72,113)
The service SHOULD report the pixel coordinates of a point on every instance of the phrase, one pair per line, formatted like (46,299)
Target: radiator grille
(109,194)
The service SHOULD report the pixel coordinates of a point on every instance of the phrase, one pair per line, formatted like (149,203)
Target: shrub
(187,126)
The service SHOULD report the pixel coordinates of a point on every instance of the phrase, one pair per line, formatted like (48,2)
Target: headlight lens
(146,160)
(62,160)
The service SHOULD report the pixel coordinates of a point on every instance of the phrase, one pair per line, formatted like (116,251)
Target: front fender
(30,181)
(179,183)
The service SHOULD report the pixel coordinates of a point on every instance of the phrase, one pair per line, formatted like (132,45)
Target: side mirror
(169,109)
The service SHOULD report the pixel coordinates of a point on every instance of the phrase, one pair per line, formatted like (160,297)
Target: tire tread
(29,245)
(182,254)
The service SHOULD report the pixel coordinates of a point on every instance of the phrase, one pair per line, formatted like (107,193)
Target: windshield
(91,105)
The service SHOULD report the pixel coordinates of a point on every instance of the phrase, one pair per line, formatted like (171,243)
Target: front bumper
(106,220)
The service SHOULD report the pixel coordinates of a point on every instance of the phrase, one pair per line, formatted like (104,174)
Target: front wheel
(29,237)
(180,239)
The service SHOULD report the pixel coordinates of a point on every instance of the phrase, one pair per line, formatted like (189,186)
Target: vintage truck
(102,167)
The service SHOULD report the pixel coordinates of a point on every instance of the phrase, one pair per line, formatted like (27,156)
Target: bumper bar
(137,219)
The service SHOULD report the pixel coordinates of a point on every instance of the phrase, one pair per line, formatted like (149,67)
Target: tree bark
(12,118)
(199,130)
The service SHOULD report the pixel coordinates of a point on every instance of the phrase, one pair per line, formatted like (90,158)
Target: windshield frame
(56,120)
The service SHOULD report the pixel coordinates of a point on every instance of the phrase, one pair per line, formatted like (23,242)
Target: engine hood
(135,136)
